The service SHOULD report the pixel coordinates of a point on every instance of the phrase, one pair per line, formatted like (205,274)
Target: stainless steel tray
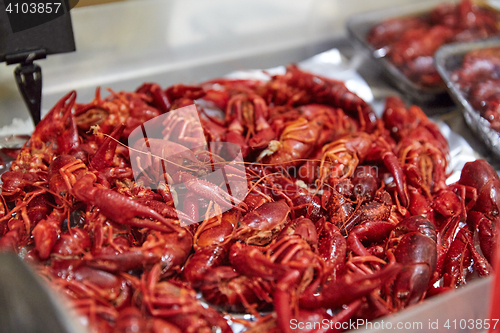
(334,65)
(448,59)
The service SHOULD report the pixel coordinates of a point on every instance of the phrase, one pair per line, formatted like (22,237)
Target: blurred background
(121,44)
(83,3)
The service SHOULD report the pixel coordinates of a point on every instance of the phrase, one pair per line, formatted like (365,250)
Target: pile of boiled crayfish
(347,215)
(479,80)
(410,42)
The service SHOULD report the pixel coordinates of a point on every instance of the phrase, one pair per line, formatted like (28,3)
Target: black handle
(29,82)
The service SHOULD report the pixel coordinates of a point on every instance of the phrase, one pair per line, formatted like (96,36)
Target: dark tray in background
(358,27)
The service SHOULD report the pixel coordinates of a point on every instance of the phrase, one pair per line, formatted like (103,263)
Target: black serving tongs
(29,79)
(27,305)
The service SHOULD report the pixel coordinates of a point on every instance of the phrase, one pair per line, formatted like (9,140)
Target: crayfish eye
(185,161)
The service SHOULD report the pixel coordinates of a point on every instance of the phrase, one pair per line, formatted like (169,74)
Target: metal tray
(448,59)
(358,27)
(332,64)
(449,312)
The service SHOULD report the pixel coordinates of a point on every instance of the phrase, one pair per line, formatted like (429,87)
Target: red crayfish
(334,214)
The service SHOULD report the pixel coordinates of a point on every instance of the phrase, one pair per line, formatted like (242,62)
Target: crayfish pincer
(416,249)
(481,179)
